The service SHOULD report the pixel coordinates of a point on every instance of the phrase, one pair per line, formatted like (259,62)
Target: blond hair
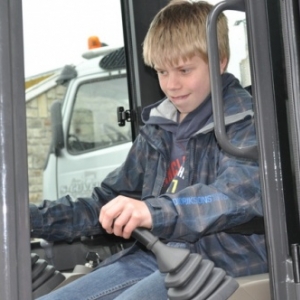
(178,32)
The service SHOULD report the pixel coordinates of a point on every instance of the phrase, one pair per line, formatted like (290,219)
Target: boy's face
(186,84)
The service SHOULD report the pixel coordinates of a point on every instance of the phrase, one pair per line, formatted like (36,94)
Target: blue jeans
(132,277)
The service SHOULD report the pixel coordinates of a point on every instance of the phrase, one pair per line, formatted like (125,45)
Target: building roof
(38,84)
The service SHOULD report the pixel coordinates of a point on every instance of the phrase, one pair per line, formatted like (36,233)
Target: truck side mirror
(56,125)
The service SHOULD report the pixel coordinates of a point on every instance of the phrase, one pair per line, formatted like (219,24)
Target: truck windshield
(94,124)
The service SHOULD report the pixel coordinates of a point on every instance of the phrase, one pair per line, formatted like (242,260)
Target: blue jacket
(223,192)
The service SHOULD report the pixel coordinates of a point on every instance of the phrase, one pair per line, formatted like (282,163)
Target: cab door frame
(15,262)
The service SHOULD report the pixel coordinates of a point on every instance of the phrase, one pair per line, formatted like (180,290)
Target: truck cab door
(93,144)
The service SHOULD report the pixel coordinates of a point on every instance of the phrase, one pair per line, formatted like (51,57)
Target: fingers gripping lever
(189,277)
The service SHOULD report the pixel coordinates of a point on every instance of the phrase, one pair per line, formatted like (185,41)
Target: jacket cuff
(162,217)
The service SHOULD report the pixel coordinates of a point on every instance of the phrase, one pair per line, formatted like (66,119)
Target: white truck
(88,141)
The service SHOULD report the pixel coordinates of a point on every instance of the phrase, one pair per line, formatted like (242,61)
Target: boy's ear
(223,65)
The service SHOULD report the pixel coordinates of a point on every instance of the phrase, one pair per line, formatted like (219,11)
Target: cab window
(94,124)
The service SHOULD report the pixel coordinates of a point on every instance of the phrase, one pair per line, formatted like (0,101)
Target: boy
(176,180)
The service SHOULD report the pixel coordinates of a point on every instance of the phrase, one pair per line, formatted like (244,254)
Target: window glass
(94,123)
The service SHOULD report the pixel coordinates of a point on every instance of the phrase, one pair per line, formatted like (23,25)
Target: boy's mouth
(178,98)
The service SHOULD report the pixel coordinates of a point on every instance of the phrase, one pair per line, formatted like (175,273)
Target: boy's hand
(122,215)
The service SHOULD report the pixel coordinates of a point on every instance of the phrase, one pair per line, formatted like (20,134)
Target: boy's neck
(181,117)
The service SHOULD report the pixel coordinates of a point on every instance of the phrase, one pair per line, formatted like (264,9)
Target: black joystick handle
(189,276)
(168,259)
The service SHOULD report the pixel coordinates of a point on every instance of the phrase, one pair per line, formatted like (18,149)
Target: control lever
(189,277)
(48,248)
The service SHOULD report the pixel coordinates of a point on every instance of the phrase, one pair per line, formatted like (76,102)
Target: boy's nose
(173,82)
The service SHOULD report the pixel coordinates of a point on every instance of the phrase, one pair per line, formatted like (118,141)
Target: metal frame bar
(215,79)
(291,30)
(15,263)
(143,84)
(262,68)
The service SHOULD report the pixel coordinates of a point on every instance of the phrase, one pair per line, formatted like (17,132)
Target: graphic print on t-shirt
(175,175)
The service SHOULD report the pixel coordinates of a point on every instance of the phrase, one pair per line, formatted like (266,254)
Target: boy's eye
(184,71)
(161,72)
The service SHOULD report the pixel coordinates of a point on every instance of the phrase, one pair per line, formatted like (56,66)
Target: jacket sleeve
(231,199)
(67,218)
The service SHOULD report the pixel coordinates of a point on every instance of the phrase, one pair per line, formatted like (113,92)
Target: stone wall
(39,138)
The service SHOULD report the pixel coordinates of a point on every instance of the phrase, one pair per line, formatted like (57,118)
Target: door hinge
(124,115)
